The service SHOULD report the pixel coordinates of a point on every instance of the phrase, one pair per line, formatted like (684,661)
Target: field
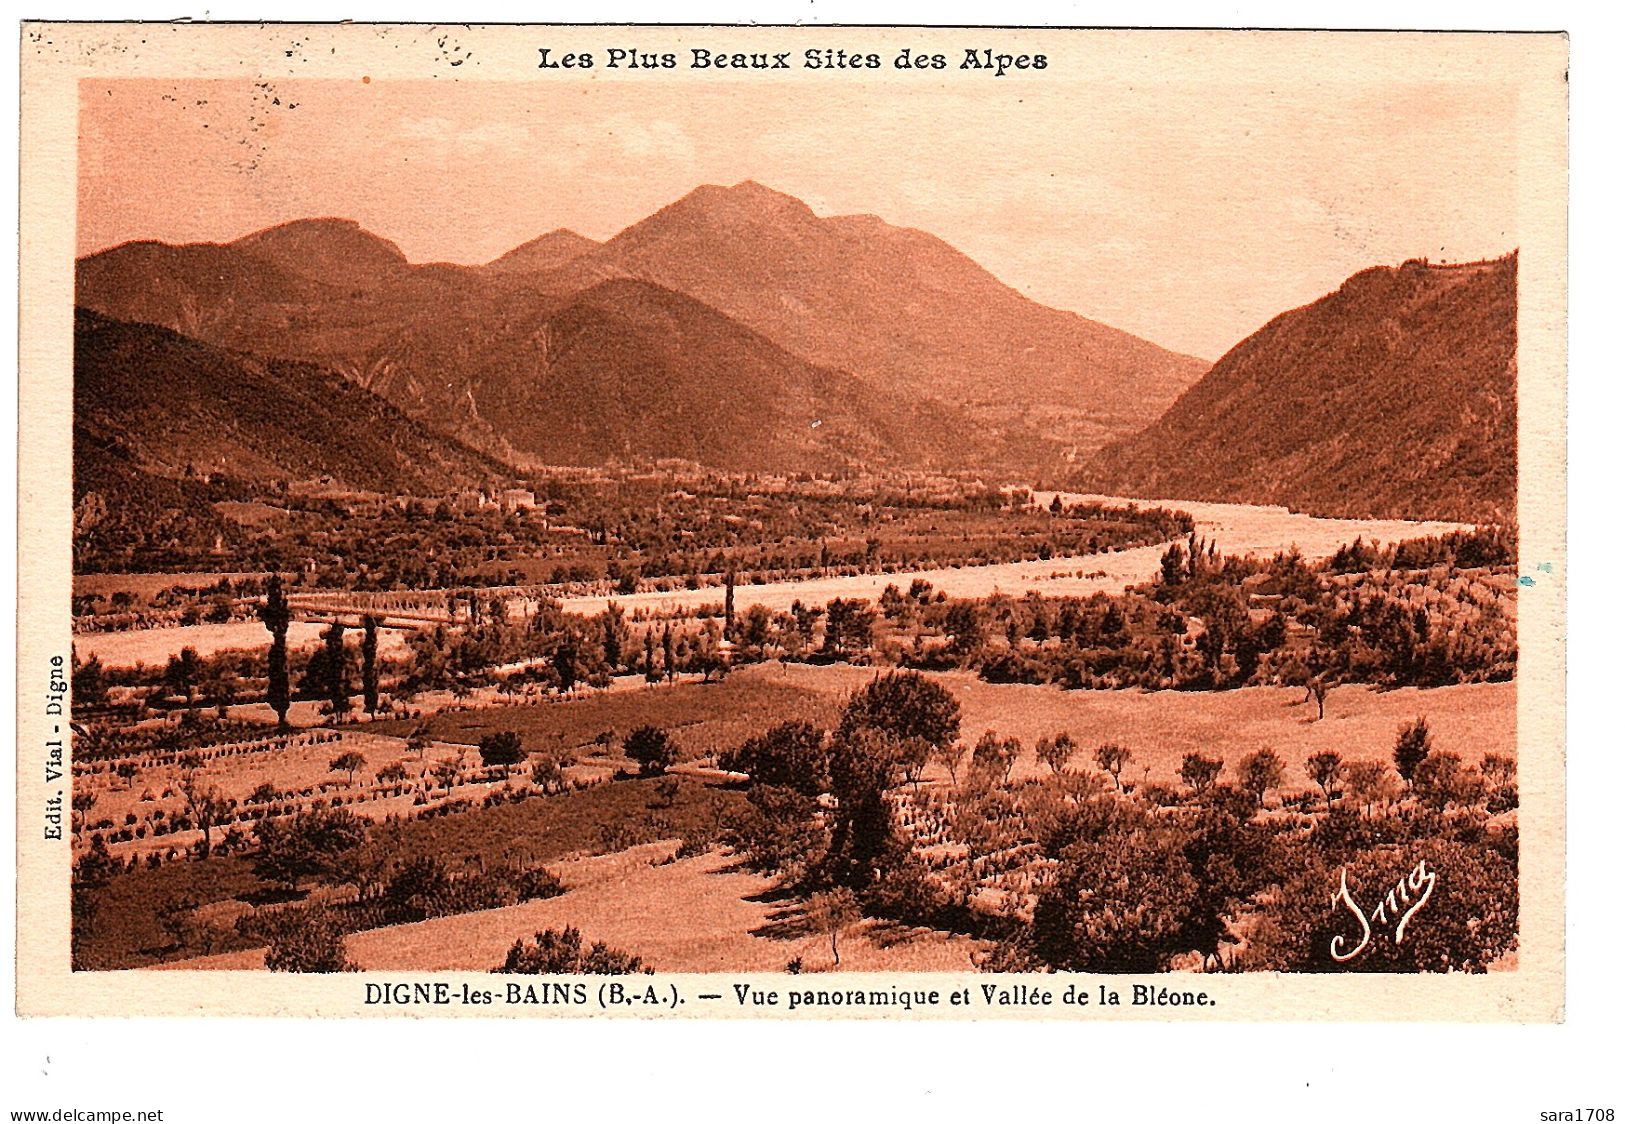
(602,819)
(584,733)
(702,718)
(297,768)
(612,837)
(154,646)
(700,914)
(1160,727)
(146,586)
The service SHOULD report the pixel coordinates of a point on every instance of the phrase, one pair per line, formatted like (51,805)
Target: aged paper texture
(791,522)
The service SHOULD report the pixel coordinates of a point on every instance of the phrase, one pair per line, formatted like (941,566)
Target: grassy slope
(703,718)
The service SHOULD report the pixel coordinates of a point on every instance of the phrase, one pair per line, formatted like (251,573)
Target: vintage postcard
(791,522)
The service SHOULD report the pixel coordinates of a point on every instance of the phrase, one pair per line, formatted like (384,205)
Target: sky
(1186,213)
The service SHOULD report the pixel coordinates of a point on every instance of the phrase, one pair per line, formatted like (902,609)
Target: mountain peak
(547,251)
(745,202)
(333,250)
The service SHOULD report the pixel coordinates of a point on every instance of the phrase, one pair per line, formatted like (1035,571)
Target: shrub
(501,750)
(307,940)
(1200,772)
(1120,900)
(307,845)
(791,755)
(1412,747)
(561,952)
(1469,921)
(651,749)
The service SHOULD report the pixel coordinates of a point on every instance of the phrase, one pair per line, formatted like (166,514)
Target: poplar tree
(276,615)
(369,662)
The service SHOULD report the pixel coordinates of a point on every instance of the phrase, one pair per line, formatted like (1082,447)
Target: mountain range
(898,310)
(738,329)
(1394,396)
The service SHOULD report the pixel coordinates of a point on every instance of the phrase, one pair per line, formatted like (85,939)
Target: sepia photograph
(674,511)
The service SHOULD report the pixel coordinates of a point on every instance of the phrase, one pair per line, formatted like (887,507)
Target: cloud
(646,140)
(485,137)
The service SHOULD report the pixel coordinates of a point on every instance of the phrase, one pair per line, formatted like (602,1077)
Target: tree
(1122,898)
(1411,748)
(831,912)
(1367,782)
(848,626)
(447,772)
(337,687)
(348,763)
(503,748)
(963,622)
(728,606)
(420,888)
(992,757)
(1057,751)
(307,940)
(951,754)
(894,606)
(1261,771)
(181,676)
(1498,769)
(753,634)
(902,705)
(205,803)
(864,843)
(1111,758)
(1441,780)
(418,741)
(1470,921)
(566,663)
(220,687)
(651,674)
(305,845)
(791,755)
(706,657)
(1173,565)
(1319,687)
(89,683)
(651,749)
(369,662)
(276,616)
(393,773)
(83,802)
(1325,769)
(668,657)
(614,636)
(560,952)
(1200,772)
(546,775)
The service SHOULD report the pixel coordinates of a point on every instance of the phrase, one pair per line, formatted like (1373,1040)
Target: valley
(756,590)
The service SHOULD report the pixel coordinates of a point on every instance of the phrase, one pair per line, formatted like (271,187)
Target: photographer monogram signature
(1397,907)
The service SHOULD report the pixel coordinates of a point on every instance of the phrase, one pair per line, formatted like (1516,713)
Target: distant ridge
(176,408)
(909,317)
(552,250)
(332,251)
(1395,396)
